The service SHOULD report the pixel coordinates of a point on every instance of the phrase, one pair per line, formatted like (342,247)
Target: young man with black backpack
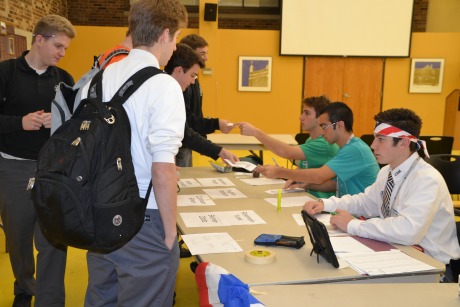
(27,87)
(143,271)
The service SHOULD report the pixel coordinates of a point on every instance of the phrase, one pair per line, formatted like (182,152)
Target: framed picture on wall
(426,75)
(254,74)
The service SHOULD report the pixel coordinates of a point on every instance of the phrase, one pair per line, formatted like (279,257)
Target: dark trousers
(184,157)
(452,271)
(21,230)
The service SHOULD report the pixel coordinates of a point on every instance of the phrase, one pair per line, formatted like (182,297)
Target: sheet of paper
(224,193)
(298,219)
(221,218)
(347,244)
(284,191)
(188,183)
(331,231)
(242,164)
(216,182)
(194,200)
(248,217)
(296,201)
(242,174)
(389,262)
(211,243)
(263,181)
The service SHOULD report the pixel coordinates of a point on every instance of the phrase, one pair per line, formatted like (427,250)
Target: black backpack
(85,191)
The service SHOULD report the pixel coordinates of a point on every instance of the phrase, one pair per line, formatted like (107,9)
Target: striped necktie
(386,196)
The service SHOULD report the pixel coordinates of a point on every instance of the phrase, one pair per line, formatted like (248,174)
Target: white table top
(291,265)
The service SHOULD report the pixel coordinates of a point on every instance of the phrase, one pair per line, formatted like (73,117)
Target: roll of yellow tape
(259,256)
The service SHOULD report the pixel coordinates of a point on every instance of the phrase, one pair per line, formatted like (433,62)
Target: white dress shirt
(421,210)
(156,112)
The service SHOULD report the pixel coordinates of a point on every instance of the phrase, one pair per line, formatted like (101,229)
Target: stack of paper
(389,262)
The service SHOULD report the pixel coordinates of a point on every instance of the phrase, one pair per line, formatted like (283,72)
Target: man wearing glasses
(27,87)
(353,168)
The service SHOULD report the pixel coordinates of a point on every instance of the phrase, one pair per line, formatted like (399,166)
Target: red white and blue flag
(218,287)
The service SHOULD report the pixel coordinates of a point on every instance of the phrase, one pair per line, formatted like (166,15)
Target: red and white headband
(389,130)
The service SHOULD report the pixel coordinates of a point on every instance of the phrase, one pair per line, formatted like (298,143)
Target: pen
(278,204)
(333,213)
(275,161)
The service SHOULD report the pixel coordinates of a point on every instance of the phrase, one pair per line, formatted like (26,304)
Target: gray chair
(367,138)
(449,167)
(437,144)
(301,138)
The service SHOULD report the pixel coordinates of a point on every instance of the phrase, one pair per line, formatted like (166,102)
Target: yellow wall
(278,110)
(90,42)
(430,107)
(274,112)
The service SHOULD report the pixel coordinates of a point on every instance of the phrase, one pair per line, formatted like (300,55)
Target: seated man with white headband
(409,203)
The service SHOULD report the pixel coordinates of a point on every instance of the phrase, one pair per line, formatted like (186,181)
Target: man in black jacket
(193,98)
(27,87)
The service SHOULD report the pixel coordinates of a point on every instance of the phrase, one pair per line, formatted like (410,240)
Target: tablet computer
(319,239)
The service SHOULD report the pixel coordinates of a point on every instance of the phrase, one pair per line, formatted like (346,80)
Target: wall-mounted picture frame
(426,75)
(254,74)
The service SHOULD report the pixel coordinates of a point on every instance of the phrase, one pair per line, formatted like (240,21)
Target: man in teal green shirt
(313,154)
(353,169)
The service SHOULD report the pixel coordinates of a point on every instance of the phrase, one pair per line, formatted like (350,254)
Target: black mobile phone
(279,240)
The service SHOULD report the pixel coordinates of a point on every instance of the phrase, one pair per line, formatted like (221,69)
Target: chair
(449,167)
(301,138)
(367,138)
(437,144)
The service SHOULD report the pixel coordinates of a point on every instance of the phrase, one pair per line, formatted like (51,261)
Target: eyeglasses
(325,126)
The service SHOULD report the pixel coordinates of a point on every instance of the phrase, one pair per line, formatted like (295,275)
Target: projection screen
(346,27)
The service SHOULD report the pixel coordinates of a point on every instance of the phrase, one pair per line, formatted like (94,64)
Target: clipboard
(319,239)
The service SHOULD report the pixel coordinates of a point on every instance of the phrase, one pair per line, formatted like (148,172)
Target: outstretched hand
(226,154)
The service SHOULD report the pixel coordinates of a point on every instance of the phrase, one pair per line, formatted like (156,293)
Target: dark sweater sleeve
(195,119)
(8,124)
(196,142)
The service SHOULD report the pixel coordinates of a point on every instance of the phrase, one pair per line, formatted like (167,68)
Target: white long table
(234,141)
(292,266)
(375,295)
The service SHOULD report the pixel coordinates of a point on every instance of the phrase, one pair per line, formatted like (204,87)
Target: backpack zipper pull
(85,125)
(119,166)
(31,184)
(76,141)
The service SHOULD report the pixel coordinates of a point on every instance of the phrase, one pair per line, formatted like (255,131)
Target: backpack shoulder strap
(95,87)
(133,83)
